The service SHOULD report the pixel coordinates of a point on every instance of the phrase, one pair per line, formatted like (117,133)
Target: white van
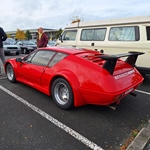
(113,36)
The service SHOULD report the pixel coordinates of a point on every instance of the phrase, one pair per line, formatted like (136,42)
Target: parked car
(112,36)
(76,77)
(51,43)
(26,46)
(9,46)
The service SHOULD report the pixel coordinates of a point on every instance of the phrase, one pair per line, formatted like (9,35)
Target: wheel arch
(72,79)
(13,65)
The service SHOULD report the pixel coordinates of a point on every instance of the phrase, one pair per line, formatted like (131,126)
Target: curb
(141,140)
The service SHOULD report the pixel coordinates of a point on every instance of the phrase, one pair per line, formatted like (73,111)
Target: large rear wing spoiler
(111,60)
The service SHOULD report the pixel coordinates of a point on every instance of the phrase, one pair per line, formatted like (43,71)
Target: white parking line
(70,131)
(1,78)
(143,92)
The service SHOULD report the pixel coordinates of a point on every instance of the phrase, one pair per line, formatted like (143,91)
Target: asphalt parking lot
(29,120)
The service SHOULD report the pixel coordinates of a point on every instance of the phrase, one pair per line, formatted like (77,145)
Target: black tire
(24,51)
(17,53)
(62,93)
(7,53)
(10,73)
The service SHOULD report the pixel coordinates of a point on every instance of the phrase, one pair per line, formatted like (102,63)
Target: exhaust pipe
(133,94)
(113,107)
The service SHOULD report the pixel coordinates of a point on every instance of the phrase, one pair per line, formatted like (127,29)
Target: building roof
(32,30)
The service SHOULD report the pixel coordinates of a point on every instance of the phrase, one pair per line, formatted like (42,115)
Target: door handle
(92,44)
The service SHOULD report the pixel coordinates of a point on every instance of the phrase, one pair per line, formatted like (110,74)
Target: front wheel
(62,93)
(10,73)
(24,51)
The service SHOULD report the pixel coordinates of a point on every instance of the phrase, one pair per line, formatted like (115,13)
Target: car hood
(30,45)
(11,46)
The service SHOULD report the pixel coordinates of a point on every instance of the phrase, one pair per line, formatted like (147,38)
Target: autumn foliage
(20,35)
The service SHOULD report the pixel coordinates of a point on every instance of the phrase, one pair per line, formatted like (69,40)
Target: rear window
(124,33)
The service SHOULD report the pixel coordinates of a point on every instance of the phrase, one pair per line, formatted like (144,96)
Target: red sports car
(76,77)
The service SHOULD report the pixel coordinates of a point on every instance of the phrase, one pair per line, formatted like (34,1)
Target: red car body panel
(90,82)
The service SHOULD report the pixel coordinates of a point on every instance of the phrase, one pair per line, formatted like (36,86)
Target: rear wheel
(10,73)
(62,93)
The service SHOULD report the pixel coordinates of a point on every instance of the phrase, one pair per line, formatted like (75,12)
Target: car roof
(69,50)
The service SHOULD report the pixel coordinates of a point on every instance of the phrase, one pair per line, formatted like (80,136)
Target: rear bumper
(99,98)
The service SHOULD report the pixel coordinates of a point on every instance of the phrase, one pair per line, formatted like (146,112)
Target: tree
(9,36)
(56,36)
(28,35)
(20,35)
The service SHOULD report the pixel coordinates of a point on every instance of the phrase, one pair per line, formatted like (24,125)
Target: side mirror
(18,59)
(60,38)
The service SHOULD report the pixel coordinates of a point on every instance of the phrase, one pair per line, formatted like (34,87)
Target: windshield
(9,41)
(28,43)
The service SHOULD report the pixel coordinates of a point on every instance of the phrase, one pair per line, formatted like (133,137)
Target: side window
(93,34)
(99,34)
(29,57)
(148,32)
(57,58)
(42,57)
(87,35)
(69,35)
(124,34)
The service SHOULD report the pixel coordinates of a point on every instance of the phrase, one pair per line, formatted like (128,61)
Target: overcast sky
(56,14)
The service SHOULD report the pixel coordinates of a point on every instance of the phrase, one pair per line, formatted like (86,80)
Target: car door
(34,66)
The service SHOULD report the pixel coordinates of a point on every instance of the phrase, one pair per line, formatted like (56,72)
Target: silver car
(9,47)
